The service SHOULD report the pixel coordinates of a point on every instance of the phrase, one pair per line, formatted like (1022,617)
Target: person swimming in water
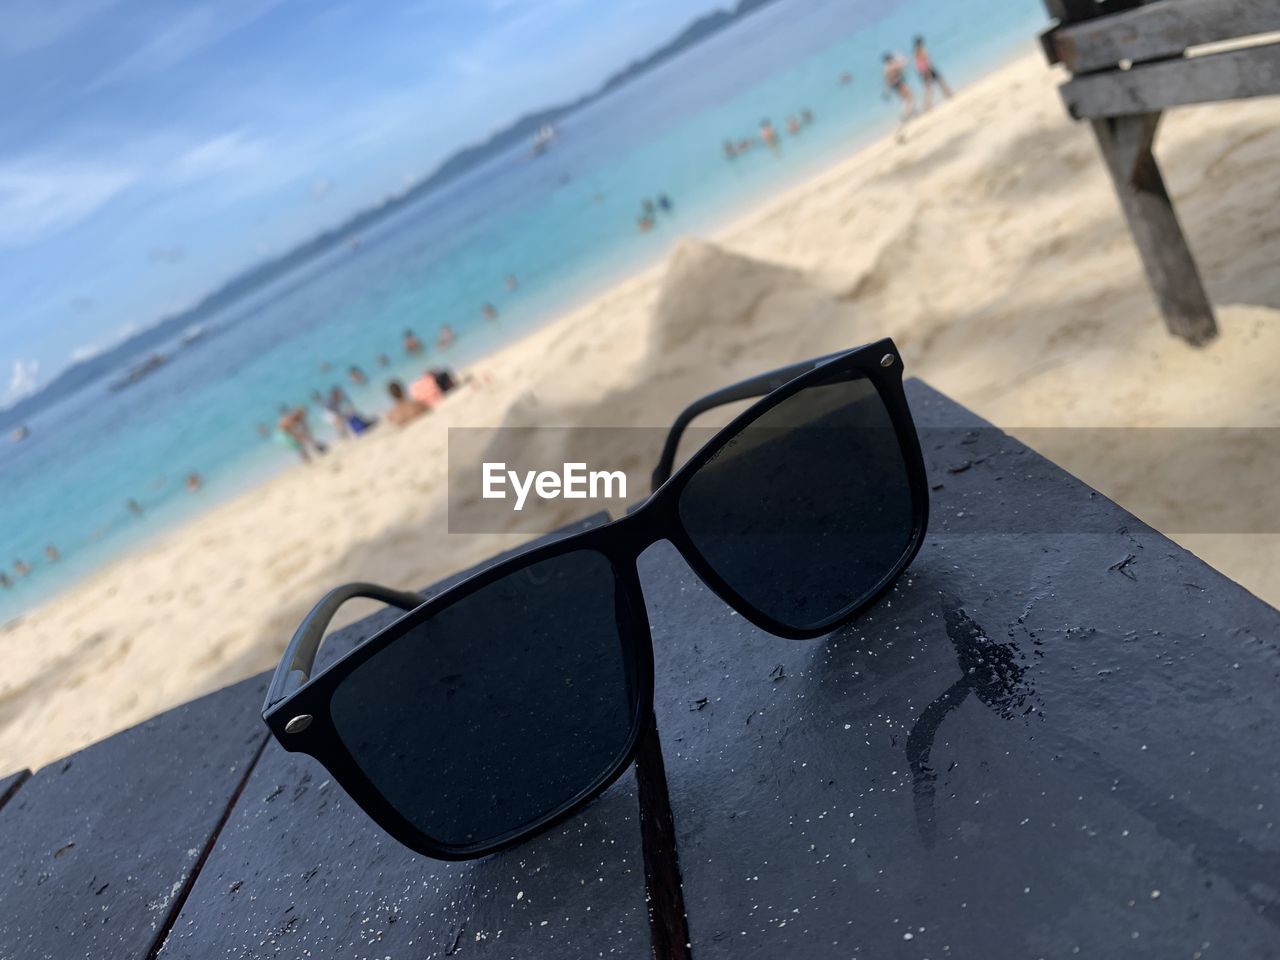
(768,134)
(446,337)
(490,311)
(51,553)
(928,73)
(412,345)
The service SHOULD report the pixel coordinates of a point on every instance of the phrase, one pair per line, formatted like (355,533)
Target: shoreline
(719,227)
(953,242)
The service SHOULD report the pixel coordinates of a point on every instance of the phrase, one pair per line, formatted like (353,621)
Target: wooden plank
(1076,11)
(1126,145)
(1161,29)
(299,871)
(1149,88)
(97,850)
(9,785)
(1020,752)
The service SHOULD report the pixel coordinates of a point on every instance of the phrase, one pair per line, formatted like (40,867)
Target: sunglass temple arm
(757,386)
(300,656)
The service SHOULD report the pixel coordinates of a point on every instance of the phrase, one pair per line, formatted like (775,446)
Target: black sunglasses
(493,711)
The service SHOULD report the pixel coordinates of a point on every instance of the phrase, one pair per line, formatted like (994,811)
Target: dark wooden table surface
(1057,737)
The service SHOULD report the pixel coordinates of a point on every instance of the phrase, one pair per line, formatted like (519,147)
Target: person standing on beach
(353,419)
(293,426)
(928,73)
(331,416)
(895,81)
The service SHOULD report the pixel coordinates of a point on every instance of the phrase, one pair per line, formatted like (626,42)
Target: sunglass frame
(298,707)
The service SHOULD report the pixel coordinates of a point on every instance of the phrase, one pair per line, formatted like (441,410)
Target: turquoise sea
(562,223)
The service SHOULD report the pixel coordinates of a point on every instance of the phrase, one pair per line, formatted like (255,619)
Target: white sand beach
(989,245)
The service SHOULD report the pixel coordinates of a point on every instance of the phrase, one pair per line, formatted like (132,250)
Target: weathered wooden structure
(1133,59)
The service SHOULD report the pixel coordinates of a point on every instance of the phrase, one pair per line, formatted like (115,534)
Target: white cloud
(220,154)
(34,24)
(183,36)
(38,198)
(23,380)
(84,353)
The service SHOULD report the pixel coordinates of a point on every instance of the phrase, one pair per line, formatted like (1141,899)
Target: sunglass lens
(502,708)
(805,511)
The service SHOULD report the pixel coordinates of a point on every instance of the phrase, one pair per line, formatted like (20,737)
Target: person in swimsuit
(768,134)
(296,434)
(895,81)
(404,410)
(342,407)
(337,423)
(928,73)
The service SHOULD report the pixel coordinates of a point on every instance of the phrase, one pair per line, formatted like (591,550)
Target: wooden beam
(1126,144)
(1233,75)
(1161,29)
(1075,11)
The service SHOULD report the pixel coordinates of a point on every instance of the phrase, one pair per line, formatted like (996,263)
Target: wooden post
(1126,144)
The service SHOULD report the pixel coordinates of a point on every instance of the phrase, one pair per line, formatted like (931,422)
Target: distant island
(85,372)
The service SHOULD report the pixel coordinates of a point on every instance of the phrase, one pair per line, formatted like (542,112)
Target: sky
(151,149)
